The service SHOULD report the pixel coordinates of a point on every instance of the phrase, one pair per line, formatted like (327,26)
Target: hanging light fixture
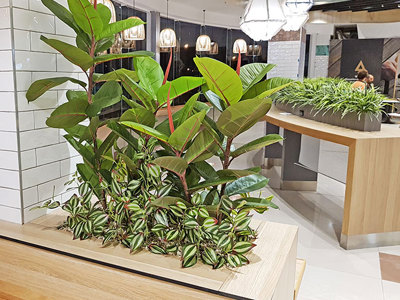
(240,45)
(214,48)
(203,42)
(262,19)
(254,50)
(298,6)
(167,36)
(295,22)
(136,33)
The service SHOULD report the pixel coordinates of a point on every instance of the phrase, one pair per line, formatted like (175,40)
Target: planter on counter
(364,122)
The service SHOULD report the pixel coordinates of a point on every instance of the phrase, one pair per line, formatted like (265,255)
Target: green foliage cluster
(333,94)
(158,192)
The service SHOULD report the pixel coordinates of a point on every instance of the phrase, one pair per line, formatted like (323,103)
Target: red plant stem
(168,68)
(239,63)
(170,120)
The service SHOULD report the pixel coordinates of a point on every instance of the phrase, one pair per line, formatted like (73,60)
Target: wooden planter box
(365,122)
(270,275)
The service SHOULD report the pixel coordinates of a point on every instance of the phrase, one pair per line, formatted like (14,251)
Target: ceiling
(359,5)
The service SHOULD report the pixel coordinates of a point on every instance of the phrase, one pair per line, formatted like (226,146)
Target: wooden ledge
(270,275)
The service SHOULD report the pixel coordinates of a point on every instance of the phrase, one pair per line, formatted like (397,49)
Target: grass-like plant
(332,95)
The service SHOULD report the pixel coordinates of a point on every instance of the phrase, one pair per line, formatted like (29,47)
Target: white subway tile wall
(286,55)
(42,161)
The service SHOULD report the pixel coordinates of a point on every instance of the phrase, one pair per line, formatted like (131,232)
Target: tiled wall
(286,55)
(318,64)
(35,161)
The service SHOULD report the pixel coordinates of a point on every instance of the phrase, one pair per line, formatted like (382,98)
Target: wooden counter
(270,275)
(372,201)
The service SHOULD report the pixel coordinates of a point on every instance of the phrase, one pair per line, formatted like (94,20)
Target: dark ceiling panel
(359,5)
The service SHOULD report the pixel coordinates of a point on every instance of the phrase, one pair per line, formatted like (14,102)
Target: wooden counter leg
(294,176)
(372,203)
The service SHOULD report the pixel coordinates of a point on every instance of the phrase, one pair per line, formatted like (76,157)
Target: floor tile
(391,290)
(324,284)
(390,267)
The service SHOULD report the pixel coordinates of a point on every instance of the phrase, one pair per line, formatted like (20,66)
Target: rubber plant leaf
(203,142)
(41,86)
(119,26)
(267,87)
(221,79)
(75,55)
(146,130)
(246,184)
(115,75)
(172,163)
(150,74)
(68,114)
(251,74)
(242,116)
(109,57)
(109,94)
(179,86)
(186,131)
(87,18)
(62,13)
(257,144)
(139,115)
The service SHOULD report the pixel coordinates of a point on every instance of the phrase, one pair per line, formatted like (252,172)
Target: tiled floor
(332,273)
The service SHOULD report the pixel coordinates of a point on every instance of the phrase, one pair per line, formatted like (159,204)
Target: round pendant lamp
(295,22)
(298,6)
(240,45)
(214,48)
(136,33)
(203,43)
(254,50)
(262,19)
(167,36)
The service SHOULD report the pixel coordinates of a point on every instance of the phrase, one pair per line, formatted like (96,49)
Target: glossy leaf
(109,94)
(122,132)
(267,88)
(87,18)
(234,173)
(257,144)
(137,242)
(202,143)
(115,75)
(187,109)
(150,74)
(205,170)
(114,28)
(214,99)
(136,91)
(251,74)
(41,86)
(211,183)
(242,116)
(105,14)
(109,57)
(186,131)
(189,251)
(62,13)
(243,247)
(68,114)
(73,95)
(246,184)
(172,163)
(220,78)
(189,262)
(139,115)
(146,130)
(179,87)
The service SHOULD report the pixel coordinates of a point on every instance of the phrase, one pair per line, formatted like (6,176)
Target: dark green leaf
(172,163)
(68,114)
(62,13)
(204,142)
(150,74)
(246,184)
(139,115)
(41,86)
(146,130)
(109,94)
(86,16)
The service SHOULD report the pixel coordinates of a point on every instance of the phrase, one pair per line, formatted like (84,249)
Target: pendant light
(254,50)
(214,48)
(295,21)
(167,36)
(298,6)
(262,19)
(136,33)
(203,43)
(240,45)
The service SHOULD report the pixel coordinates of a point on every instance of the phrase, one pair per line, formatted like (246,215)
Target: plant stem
(185,186)
(227,161)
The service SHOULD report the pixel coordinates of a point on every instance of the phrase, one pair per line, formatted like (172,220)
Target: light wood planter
(270,275)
